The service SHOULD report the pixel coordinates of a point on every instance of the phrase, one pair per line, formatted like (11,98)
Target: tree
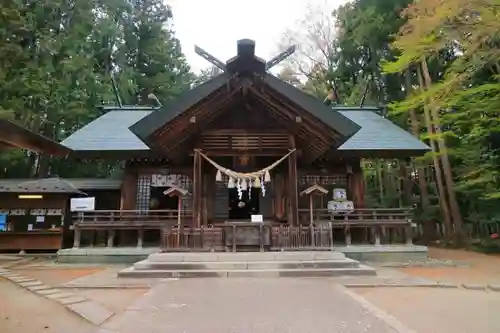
(205,75)
(152,52)
(56,58)
(469,32)
(314,37)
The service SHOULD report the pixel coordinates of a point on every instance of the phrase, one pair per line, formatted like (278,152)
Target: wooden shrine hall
(243,143)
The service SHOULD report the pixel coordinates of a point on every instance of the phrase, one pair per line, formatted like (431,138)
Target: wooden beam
(292,192)
(199,107)
(197,188)
(176,126)
(275,152)
(313,124)
(291,115)
(186,133)
(203,117)
(297,128)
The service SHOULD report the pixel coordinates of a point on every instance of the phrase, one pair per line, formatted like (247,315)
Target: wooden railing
(106,219)
(285,238)
(362,226)
(382,215)
(113,220)
(366,226)
(194,239)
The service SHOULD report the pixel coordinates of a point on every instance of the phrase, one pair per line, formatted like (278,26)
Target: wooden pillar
(111,237)
(140,237)
(292,188)
(77,236)
(128,190)
(279,187)
(197,188)
(357,185)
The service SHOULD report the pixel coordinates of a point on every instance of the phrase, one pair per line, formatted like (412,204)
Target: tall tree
(56,57)
(153,53)
(468,31)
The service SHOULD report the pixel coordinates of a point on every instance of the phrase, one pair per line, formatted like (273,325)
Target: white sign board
(82,204)
(257,218)
(165,180)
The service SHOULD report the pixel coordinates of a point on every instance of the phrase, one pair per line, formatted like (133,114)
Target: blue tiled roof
(378,133)
(109,133)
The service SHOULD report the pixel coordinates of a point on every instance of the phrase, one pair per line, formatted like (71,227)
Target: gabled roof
(354,129)
(147,125)
(154,121)
(109,132)
(16,136)
(378,134)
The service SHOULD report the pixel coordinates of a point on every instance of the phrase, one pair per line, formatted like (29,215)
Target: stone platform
(247,264)
(104,255)
(130,255)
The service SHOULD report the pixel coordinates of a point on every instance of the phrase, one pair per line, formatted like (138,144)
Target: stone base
(385,253)
(104,255)
(130,255)
(247,264)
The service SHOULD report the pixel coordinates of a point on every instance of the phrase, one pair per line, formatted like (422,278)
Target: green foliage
(378,45)
(460,40)
(56,58)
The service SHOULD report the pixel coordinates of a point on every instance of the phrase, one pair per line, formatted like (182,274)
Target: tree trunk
(443,201)
(380,181)
(405,184)
(429,226)
(448,177)
(415,129)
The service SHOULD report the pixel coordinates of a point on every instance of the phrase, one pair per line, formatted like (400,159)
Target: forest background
(432,66)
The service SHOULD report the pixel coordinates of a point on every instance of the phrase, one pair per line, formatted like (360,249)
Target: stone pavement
(85,308)
(246,305)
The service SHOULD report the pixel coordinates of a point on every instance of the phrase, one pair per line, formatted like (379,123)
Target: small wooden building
(21,207)
(34,213)
(242,120)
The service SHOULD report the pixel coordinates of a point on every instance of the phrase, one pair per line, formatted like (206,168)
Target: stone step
(260,273)
(246,256)
(242,265)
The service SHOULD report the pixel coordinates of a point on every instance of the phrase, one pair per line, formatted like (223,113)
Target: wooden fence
(362,226)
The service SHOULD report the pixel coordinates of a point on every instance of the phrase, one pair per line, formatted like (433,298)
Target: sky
(216,25)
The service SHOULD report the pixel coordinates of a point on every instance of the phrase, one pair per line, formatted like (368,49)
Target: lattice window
(146,181)
(330,180)
(143,192)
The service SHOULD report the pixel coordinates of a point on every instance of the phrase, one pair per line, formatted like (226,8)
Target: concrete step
(242,265)
(246,256)
(260,273)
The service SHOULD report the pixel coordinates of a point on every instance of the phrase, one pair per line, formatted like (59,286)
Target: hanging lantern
(230,183)
(218,176)
(256,182)
(267,177)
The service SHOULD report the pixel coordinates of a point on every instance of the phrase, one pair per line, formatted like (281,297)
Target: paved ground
(247,305)
(431,310)
(480,268)
(24,312)
(259,305)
